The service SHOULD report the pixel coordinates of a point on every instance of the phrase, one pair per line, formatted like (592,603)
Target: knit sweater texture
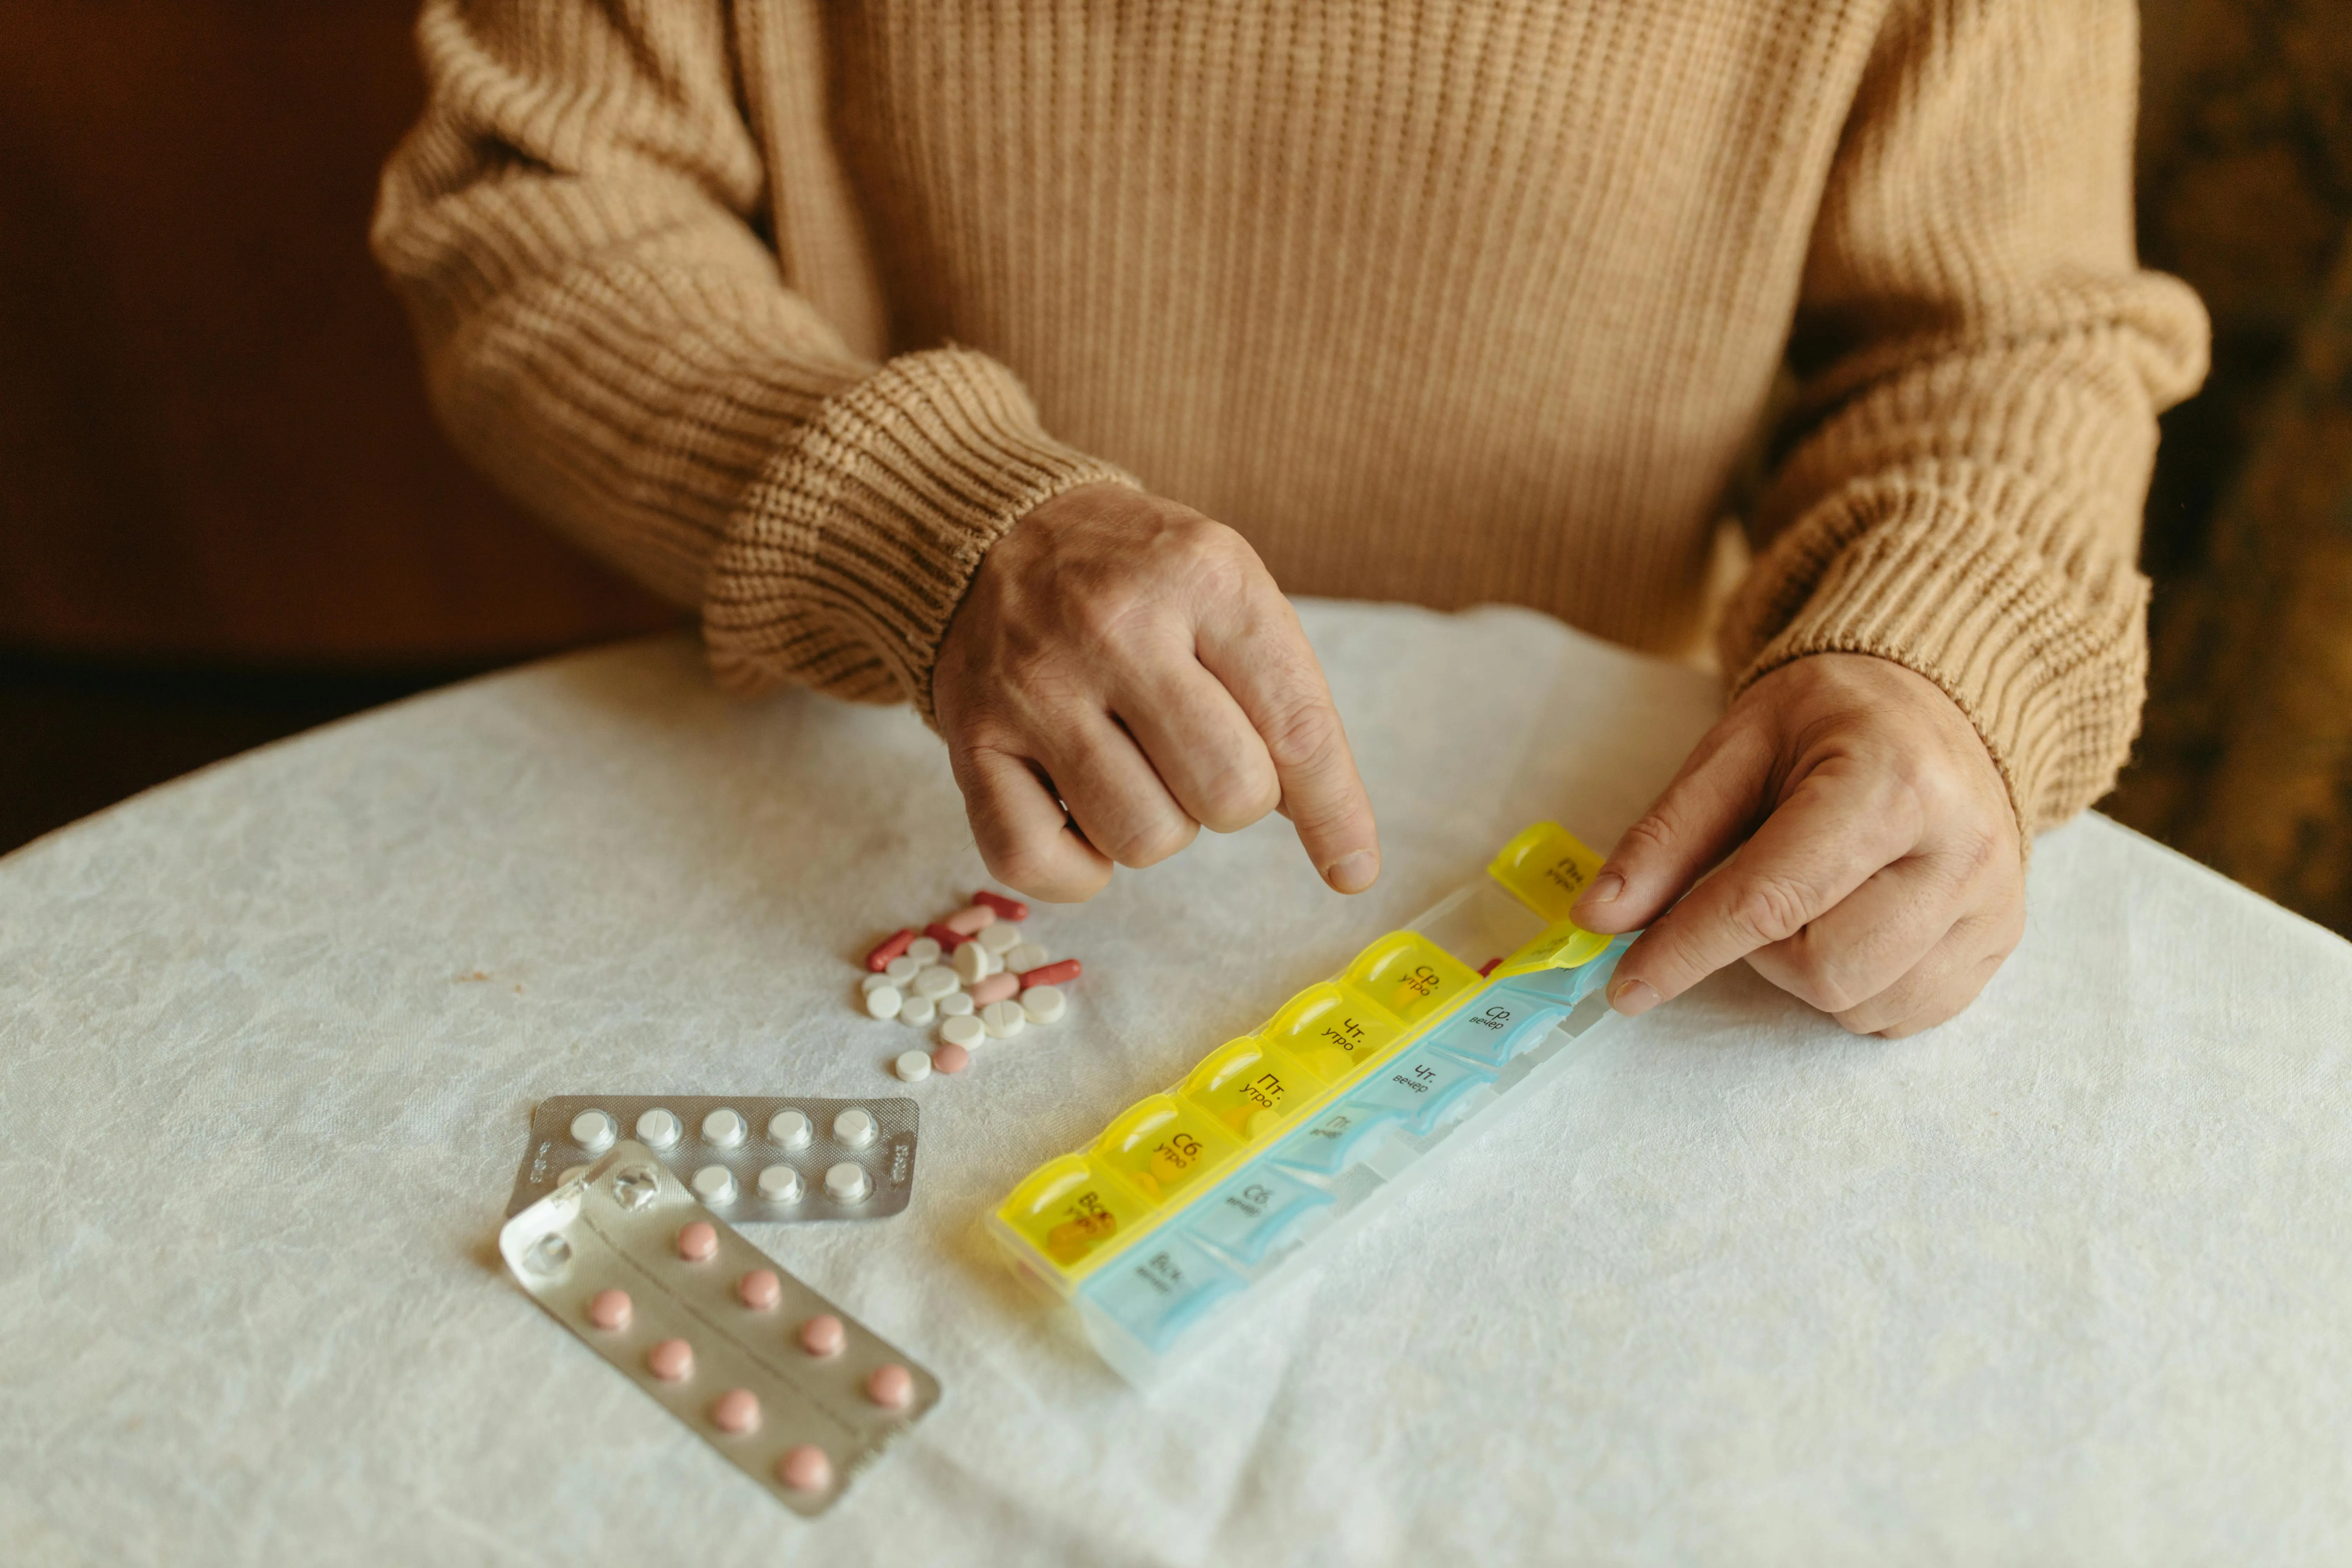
(792,307)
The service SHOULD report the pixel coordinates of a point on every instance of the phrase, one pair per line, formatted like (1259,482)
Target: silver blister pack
(713,1330)
(751,1158)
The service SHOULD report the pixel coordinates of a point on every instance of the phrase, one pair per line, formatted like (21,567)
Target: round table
(2062,1280)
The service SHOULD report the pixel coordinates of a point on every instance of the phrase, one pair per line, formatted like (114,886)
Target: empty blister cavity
(711,1337)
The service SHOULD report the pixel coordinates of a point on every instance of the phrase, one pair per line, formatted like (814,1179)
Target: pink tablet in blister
(795,1392)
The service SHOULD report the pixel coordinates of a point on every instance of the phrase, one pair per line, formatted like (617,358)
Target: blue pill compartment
(1501,1024)
(1156,1292)
(1256,1210)
(1419,1087)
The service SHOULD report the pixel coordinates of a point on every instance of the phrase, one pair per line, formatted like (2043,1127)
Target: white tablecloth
(2066,1280)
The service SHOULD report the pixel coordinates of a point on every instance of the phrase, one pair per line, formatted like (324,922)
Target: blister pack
(751,1158)
(1192,1199)
(797,1394)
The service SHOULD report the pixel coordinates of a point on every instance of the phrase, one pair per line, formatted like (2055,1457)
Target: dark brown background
(225,514)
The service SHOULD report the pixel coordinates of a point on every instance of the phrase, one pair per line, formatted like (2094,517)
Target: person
(1015,359)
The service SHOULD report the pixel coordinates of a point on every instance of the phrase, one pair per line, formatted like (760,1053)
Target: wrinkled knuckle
(1302,733)
(1651,835)
(1106,615)
(1018,863)
(1149,842)
(1238,796)
(1772,908)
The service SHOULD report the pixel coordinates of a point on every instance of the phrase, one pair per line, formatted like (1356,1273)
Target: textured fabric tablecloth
(2066,1280)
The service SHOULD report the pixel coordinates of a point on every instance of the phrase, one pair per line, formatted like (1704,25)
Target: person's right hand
(1133,660)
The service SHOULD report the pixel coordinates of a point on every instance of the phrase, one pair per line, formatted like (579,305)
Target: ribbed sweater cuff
(2049,668)
(852,550)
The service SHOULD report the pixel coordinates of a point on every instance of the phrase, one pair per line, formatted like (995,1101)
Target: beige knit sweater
(792,307)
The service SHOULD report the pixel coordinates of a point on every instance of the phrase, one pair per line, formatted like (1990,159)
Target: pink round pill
(609,1310)
(805,1468)
(997,987)
(823,1335)
(951,1057)
(892,1386)
(699,1241)
(672,1361)
(760,1290)
(969,920)
(737,1410)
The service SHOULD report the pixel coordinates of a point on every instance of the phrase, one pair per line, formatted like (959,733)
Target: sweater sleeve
(573,227)
(1980,363)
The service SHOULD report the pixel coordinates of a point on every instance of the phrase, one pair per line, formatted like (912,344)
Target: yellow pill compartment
(1411,976)
(1163,1146)
(1547,868)
(1069,1209)
(1248,1088)
(1333,1030)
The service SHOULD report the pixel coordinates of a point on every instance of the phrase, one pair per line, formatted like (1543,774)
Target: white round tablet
(962,1030)
(1003,1020)
(882,1002)
(919,1011)
(1026,957)
(594,1130)
(723,1128)
(1000,938)
(846,1183)
(924,949)
(659,1128)
(874,983)
(936,983)
(780,1184)
(955,1004)
(855,1127)
(974,963)
(902,968)
(912,1066)
(714,1185)
(790,1128)
(1042,1004)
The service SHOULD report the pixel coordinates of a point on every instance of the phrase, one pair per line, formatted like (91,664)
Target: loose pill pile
(797,1393)
(754,1157)
(973,973)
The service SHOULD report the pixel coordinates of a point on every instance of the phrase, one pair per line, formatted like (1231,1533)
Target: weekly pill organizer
(1191,1201)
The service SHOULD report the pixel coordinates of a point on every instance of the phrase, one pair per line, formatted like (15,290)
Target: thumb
(1718,798)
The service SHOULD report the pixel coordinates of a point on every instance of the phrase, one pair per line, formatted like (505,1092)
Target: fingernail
(1633,997)
(1604,891)
(1353,873)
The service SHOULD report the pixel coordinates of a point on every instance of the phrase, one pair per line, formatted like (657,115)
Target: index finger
(1824,841)
(1265,661)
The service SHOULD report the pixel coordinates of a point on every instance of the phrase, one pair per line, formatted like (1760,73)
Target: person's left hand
(1881,878)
